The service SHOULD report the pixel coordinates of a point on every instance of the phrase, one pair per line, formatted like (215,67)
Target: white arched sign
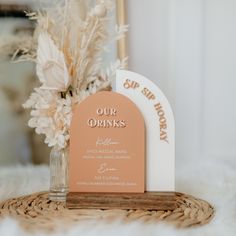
(160,128)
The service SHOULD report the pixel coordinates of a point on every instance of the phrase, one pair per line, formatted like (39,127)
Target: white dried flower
(51,67)
(51,116)
(69,64)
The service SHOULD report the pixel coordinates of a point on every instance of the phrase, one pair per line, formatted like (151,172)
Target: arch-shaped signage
(107,145)
(160,128)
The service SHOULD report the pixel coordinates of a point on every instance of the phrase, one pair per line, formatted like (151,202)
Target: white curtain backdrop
(188,48)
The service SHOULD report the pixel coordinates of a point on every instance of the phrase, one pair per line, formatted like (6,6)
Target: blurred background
(187,47)
(17,142)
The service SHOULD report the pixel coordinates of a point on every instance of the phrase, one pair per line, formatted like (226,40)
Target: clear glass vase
(58,174)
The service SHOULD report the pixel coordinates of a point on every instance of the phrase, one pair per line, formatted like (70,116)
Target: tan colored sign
(107,145)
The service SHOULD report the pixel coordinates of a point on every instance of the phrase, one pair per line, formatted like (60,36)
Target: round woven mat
(36,211)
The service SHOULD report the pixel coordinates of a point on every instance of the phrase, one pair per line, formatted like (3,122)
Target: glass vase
(58,174)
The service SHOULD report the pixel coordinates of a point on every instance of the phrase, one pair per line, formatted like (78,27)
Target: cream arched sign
(160,128)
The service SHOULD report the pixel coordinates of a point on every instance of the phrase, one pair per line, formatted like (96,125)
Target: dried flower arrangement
(68,54)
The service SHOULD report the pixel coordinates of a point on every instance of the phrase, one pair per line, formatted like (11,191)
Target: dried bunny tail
(89,67)
(91,46)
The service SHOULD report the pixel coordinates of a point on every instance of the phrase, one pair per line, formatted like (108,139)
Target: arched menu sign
(160,128)
(107,145)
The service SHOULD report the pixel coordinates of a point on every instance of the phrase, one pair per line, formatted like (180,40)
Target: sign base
(126,201)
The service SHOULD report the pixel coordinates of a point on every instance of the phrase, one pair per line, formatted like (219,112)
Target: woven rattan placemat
(37,212)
